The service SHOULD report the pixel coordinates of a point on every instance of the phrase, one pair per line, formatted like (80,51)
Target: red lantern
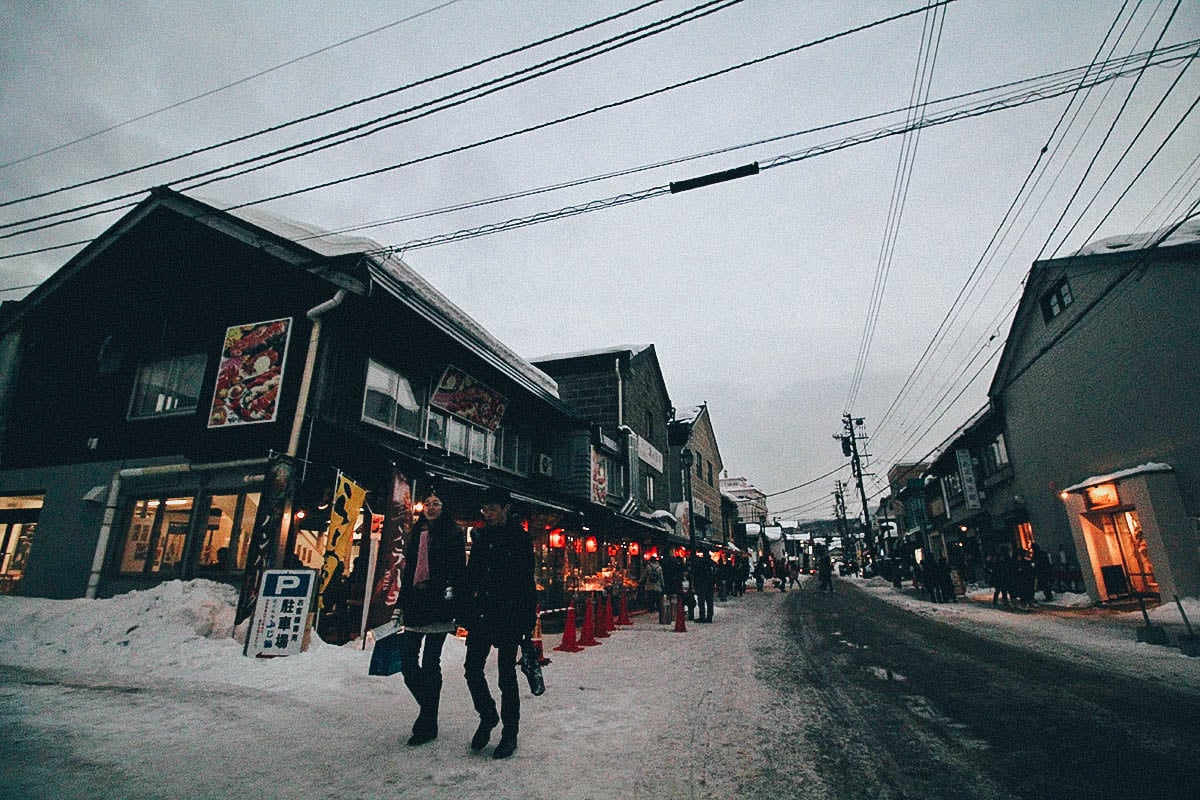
(557,538)
(634,548)
(613,550)
(590,544)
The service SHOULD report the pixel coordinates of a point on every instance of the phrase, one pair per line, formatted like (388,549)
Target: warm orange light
(300,514)
(557,538)
(634,548)
(1102,496)
(590,544)
(418,507)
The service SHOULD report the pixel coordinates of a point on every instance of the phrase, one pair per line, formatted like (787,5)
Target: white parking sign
(281,613)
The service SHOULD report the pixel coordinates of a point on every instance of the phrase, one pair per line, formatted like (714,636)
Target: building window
(18,524)
(1055,301)
(390,400)
(168,387)
(162,531)
(710,483)
(996,455)
(648,488)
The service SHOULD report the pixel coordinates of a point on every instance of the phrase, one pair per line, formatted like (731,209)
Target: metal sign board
(281,613)
(966,472)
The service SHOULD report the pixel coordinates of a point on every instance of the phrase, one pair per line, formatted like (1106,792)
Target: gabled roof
(1130,249)
(348,262)
(631,349)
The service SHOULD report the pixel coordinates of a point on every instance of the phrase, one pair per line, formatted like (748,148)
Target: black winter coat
(501,594)
(427,605)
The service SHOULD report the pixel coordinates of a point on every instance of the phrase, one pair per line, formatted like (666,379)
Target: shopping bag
(532,667)
(385,657)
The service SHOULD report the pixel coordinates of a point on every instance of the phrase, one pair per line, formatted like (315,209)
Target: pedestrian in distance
(760,574)
(501,610)
(997,572)
(825,573)
(672,570)
(703,577)
(1043,571)
(431,579)
(652,585)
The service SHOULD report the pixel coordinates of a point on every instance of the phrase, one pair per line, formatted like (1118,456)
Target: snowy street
(867,692)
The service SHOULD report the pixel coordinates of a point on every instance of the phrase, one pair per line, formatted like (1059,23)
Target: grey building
(1098,387)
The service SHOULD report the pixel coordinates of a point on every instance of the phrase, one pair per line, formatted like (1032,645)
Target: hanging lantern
(613,550)
(634,548)
(557,538)
(590,544)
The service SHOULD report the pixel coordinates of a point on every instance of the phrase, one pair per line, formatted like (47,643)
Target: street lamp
(685,461)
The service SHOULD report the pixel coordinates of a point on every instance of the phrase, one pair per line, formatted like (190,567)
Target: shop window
(390,401)
(436,435)
(18,524)
(167,387)
(648,488)
(1056,300)
(996,455)
(162,534)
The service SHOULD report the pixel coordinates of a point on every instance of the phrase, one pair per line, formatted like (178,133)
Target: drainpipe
(114,491)
(310,361)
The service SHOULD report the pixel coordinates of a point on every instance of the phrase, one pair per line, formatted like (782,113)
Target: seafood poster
(251,372)
(462,395)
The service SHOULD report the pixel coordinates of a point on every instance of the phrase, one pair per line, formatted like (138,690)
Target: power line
(216,90)
(334,110)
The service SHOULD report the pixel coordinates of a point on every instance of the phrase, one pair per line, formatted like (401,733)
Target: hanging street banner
(599,492)
(270,528)
(397,523)
(347,502)
(250,373)
(281,613)
(463,396)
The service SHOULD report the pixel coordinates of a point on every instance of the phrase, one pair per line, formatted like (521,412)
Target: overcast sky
(757,292)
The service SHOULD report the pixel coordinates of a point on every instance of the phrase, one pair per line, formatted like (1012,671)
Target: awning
(537,501)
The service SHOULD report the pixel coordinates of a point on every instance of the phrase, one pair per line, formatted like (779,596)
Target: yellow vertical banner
(347,502)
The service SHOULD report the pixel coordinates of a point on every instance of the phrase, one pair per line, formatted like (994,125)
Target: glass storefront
(18,525)
(173,536)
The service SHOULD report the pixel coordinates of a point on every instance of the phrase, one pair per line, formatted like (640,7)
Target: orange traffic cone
(624,618)
(604,618)
(568,644)
(588,639)
(680,626)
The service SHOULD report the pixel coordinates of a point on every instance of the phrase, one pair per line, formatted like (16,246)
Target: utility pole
(850,448)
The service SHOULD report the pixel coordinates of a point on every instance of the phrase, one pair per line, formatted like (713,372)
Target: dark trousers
(423,674)
(706,605)
(478,649)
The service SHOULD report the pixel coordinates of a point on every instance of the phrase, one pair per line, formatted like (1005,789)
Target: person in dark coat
(703,576)
(500,610)
(1043,571)
(760,573)
(825,573)
(672,571)
(431,578)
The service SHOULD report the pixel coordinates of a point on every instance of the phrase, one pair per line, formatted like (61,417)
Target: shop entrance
(1118,542)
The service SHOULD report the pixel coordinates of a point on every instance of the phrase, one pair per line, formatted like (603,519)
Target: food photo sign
(463,396)
(250,374)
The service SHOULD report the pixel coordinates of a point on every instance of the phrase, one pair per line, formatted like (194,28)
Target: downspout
(114,491)
(310,361)
(620,395)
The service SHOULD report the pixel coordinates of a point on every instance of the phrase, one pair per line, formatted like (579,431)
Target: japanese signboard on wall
(966,472)
(599,478)
(281,613)
(465,397)
(250,373)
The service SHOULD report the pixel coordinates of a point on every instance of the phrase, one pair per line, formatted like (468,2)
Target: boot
(484,732)
(506,747)
(425,729)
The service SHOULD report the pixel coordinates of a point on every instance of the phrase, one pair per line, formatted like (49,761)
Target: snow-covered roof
(332,245)
(634,349)
(1187,233)
(688,414)
(1141,469)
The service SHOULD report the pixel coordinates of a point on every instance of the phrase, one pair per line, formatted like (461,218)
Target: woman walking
(434,565)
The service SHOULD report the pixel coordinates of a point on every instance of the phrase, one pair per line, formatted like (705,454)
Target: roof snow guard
(1095,480)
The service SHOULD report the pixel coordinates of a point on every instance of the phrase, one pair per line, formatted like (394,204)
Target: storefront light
(1102,495)
(301,514)
(418,507)
(634,548)
(557,539)
(590,544)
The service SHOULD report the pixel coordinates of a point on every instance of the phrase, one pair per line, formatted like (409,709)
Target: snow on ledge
(1116,476)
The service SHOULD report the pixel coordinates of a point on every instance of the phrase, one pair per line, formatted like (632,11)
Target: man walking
(501,610)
